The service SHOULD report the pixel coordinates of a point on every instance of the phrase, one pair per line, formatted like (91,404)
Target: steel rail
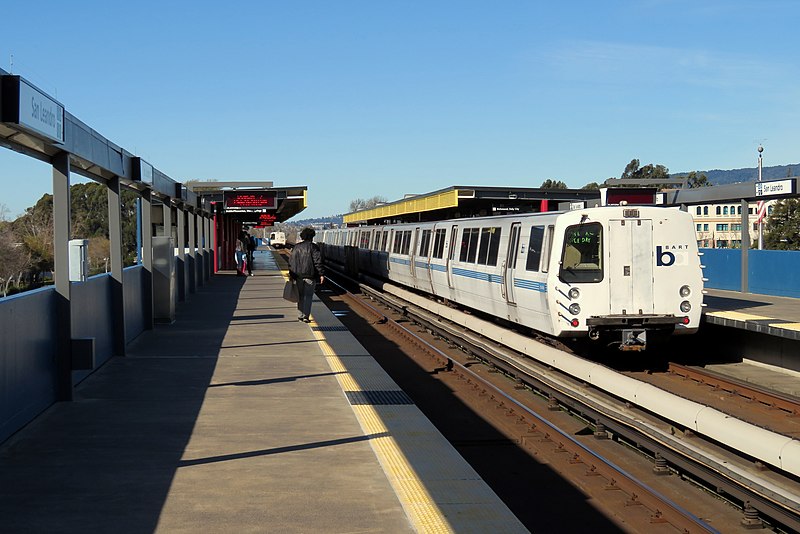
(737,387)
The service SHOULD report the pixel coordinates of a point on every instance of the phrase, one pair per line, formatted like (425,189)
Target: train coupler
(633,340)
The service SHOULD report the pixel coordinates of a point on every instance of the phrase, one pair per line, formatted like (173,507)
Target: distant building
(720,225)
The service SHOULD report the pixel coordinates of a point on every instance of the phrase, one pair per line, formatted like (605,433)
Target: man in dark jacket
(251,248)
(305,268)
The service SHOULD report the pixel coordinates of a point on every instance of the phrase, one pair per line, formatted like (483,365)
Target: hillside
(719,177)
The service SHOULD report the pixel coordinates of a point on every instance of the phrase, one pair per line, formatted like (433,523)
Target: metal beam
(61,236)
(115,239)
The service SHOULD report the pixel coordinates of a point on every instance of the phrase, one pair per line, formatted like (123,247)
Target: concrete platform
(765,314)
(239,418)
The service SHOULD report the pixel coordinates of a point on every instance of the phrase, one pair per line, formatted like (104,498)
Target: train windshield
(581,259)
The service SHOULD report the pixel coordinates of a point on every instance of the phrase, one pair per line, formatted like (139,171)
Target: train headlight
(574,308)
(686,306)
(685,291)
(574,293)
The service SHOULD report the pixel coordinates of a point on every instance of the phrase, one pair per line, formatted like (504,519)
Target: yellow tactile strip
(787,326)
(737,316)
(740,316)
(422,511)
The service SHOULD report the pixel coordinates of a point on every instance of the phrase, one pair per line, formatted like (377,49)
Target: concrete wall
(27,357)
(770,272)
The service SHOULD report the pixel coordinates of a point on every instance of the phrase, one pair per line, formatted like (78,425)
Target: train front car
(625,274)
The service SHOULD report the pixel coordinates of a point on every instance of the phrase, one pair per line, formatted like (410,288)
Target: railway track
(620,490)
(777,508)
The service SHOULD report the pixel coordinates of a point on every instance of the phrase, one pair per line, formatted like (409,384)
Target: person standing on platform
(305,268)
(251,248)
(241,253)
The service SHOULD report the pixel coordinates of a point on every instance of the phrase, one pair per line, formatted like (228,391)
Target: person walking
(305,268)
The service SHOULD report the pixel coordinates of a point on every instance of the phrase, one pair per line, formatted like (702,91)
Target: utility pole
(760,205)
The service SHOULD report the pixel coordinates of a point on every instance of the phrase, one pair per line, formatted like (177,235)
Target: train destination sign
(250,200)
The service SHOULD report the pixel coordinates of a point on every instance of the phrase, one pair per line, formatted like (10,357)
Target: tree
(591,185)
(99,255)
(553,184)
(14,258)
(648,172)
(360,204)
(783,226)
(35,230)
(693,180)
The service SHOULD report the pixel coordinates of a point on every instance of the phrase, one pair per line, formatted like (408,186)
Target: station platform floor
(239,418)
(765,314)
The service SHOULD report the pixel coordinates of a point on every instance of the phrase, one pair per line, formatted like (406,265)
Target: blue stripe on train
(486,277)
(530,284)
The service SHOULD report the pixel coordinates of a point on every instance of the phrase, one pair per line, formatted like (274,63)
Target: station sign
(778,187)
(249,200)
(31,109)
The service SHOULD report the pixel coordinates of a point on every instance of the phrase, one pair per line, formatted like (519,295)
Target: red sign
(266,219)
(250,200)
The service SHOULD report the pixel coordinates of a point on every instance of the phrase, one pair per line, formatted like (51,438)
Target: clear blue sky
(362,98)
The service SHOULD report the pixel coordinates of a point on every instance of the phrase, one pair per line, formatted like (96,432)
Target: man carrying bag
(305,268)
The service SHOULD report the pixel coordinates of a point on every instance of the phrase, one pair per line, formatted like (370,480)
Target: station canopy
(256,204)
(470,201)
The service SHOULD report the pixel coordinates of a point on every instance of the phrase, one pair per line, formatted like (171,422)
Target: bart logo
(664,258)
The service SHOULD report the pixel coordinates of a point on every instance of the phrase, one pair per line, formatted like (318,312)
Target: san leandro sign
(778,187)
(25,105)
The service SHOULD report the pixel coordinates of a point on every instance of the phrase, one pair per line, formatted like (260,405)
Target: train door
(412,255)
(511,264)
(451,254)
(389,250)
(630,266)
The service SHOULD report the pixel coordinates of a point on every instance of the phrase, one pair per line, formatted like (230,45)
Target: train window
(398,241)
(385,246)
(490,244)
(469,244)
(425,243)
(438,243)
(547,248)
(581,259)
(535,248)
(453,233)
(405,242)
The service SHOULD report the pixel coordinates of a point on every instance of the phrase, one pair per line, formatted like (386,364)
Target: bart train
(625,275)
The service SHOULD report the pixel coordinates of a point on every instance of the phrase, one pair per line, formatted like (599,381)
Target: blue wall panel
(27,357)
(132,286)
(91,317)
(774,272)
(723,268)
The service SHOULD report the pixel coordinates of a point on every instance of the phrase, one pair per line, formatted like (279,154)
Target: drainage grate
(378,397)
(329,328)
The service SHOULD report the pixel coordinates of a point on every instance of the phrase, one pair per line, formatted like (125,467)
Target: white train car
(277,239)
(621,274)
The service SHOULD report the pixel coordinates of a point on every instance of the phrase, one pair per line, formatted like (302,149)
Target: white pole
(761,222)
